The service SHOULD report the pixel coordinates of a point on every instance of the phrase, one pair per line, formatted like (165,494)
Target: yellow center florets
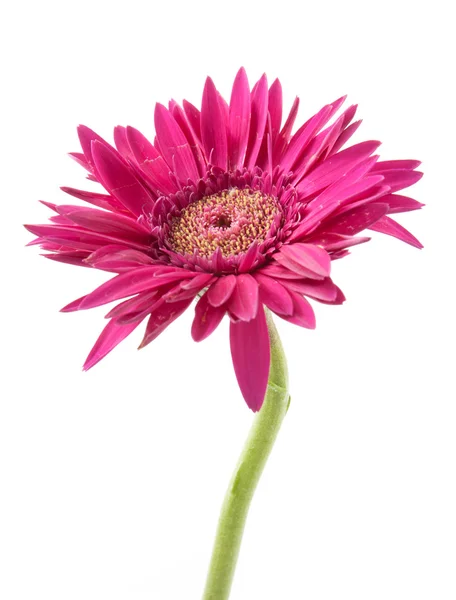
(230,220)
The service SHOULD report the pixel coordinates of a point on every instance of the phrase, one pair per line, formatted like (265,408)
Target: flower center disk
(230,220)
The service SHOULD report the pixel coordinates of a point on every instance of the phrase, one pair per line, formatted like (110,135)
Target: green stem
(247,474)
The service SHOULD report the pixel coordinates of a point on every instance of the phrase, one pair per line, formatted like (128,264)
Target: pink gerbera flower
(229,207)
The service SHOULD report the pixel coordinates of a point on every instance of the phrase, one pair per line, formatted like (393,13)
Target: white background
(111,481)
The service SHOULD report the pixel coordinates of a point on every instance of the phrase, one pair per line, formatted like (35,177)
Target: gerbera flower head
(229,207)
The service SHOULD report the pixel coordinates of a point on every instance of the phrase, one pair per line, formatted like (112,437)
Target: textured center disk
(230,220)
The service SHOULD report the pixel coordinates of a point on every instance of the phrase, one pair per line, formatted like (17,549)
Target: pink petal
(239,120)
(174,145)
(189,288)
(274,295)
(207,319)
(249,258)
(147,307)
(109,338)
(399,179)
(70,258)
(303,314)
(80,159)
(121,141)
(72,306)
(320,290)
(280,271)
(275,109)
(150,161)
(331,171)
(317,148)
(397,203)
(133,306)
(120,180)
(117,258)
(340,298)
(101,200)
(195,146)
(221,290)
(353,221)
(257,121)
(303,258)
(386,165)
(339,193)
(303,136)
(77,238)
(243,303)
(343,138)
(213,127)
(106,222)
(161,317)
(390,227)
(250,351)
(130,283)
(336,241)
(285,133)
(86,137)
(197,283)
(194,118)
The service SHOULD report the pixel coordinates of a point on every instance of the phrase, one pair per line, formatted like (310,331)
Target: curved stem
(247,473)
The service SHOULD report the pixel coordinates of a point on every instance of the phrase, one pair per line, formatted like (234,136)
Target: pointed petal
(397,203)
(86,137)
(207,319)
(120,180)
(249,258)
(69,258)
(353,221)
(151,162)
(72,306)
(336,241)
(174,145)
(285,133)
(250,351)
(130,283)
(80,159)
(387,165)
(77,238)
(121,141)
(399,179)
(390,227)
(106,222)
(275,109)
(132,306)
(343,138)
(109,338)
(331,171)
(194,117)
(303,136)
(161,317)
(195,145)
(213,127)
(239,120)
(257,121)
(303,314)
(101,200)
(117,258)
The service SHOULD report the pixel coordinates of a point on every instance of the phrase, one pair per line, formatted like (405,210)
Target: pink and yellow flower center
(230,220)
